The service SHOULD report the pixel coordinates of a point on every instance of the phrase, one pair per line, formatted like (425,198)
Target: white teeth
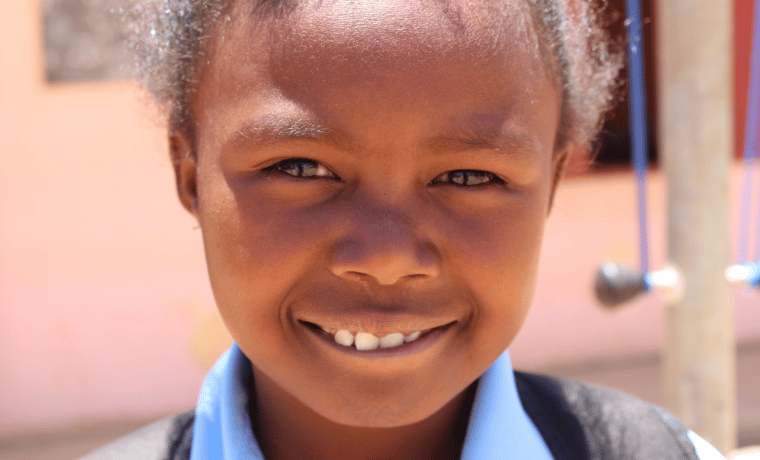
(365,341)
(392,340)
(412,337)
(344,337)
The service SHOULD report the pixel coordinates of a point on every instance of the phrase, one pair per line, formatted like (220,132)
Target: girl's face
(373,167)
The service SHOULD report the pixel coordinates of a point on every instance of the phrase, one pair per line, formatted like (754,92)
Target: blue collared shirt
(498,427)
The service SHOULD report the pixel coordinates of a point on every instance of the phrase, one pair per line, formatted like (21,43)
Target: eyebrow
(473,135)
(275,130)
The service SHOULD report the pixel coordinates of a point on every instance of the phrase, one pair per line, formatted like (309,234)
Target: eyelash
(301,168)
(310,169)
(468,178)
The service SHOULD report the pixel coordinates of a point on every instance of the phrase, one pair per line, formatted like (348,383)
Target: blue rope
(638,107)
(750,150)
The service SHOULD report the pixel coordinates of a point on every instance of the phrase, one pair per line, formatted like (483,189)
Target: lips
(367,344)
(381,321)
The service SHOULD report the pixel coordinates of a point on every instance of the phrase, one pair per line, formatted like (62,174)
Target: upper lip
(376,311)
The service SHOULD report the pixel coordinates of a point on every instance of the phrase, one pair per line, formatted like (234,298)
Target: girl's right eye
(302,168)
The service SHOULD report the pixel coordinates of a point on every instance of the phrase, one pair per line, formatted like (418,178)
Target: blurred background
(106,316)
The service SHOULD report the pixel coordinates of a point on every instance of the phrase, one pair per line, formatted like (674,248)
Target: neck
(303,434)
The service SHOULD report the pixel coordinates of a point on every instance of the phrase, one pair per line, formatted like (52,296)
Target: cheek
(498,255)
(501,244)
(255,253)
(250,233)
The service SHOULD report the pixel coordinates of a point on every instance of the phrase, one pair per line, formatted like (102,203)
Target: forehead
(407,53)
(408,28)
(376,33)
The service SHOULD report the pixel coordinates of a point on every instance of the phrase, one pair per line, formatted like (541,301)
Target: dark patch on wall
(85,40)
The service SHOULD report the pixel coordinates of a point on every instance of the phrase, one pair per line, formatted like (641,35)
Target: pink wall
(594,220)
(105,309)
(102,278)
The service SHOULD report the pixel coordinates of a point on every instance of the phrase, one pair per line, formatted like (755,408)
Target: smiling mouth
(365,341)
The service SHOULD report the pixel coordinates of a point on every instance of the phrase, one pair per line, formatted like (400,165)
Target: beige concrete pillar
(696,141)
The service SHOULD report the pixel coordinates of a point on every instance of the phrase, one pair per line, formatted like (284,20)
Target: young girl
(372,180)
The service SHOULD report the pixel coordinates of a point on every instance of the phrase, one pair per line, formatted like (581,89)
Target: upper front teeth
(366,341)
(392,340)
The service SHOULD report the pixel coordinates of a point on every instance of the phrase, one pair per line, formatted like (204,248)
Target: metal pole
(696,139)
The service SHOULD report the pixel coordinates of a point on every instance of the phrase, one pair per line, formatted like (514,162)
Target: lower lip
(423,342)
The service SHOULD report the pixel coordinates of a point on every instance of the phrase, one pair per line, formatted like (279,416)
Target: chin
(374,412)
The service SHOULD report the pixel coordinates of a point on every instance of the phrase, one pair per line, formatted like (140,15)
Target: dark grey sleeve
(169,438)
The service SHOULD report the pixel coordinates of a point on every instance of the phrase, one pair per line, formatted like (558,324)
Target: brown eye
(467,177)
(301,167)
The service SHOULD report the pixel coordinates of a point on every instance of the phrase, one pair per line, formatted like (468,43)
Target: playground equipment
(695,129)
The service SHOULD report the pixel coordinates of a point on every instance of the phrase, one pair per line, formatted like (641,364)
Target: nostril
(387,277)
(354,275)
(385,259)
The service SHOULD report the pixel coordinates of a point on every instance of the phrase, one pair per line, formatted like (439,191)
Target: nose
(385,247)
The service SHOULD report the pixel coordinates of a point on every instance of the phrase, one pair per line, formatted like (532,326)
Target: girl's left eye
(301,167)
(467,177)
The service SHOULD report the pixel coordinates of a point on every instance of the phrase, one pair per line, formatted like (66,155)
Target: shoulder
(600,423)
(167,439)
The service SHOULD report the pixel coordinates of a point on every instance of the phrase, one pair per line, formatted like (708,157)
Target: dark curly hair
(169,39)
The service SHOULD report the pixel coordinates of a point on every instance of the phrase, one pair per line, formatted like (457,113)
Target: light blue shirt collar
(222,429)
(498,426)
